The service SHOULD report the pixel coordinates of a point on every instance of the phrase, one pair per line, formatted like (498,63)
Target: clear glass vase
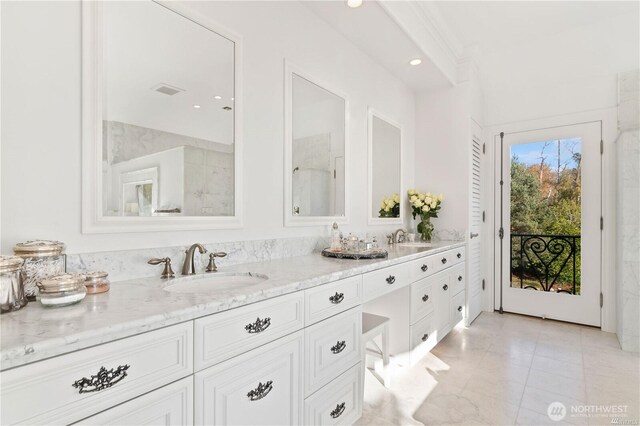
(425,229)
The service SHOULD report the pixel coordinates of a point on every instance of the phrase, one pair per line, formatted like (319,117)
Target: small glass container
(12,297)
(42,259)
(96,282)
(62,290)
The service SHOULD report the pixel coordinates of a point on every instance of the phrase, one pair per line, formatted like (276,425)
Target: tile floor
(507,369)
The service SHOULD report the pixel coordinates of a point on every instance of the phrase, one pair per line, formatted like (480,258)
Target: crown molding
(435,24)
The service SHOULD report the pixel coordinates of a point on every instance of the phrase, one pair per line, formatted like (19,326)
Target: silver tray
(357,255)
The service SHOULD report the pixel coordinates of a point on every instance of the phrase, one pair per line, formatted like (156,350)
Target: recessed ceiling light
(416,61)
(218,97)
(233,99)
(354,3)
(196,106)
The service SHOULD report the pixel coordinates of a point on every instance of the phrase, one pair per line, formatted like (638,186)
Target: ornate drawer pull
(391,279)
(424,268)
(261,391)
(459,277)
(444,260)
(103,380)
(336,298)
(459,308)
(425,297)
(445,287)
(338,347)
(259,326)
(338,411)
(425,337)
(459,255)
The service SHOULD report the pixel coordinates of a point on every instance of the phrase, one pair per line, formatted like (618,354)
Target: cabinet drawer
(377,283)
(171,405)
(457,308)
(327,300)
(424,331)
(260,387)
(421,268)
(421,298)
(338,403)
(458,279)
(332,346)
(222,336)
(448,258)
(45,392)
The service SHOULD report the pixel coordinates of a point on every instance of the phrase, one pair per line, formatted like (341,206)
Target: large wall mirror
(315,151)
(385,170)
(161,110)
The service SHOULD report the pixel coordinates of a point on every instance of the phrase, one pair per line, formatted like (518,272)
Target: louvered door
(474,286)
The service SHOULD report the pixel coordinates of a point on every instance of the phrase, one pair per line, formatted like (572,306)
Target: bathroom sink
(415,244)
(213,281)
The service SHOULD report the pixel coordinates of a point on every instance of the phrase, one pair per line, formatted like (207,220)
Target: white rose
(427,200)
(411,192)
(425,208)
(434,204)
(440,197)
(387,209)
(418,203)
(413,199)
(421,197)
(396,198)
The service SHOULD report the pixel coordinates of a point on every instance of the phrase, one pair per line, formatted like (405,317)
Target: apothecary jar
(12,295)
(42,259)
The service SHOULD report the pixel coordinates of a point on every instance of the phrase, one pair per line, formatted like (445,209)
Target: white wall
(41,116)
(571,71)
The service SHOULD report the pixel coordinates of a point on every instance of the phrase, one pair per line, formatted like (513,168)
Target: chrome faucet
(188,260)
(399,235)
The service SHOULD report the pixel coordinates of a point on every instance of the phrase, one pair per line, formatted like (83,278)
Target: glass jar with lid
(42,259)
(62,290)
(12,295)
(96,282)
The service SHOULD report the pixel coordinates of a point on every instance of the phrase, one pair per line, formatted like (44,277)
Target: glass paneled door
(549,209)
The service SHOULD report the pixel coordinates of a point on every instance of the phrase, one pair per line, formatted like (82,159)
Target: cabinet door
(442,292)
(171,405)
(260,387)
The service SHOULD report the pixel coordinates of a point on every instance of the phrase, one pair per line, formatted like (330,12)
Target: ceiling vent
(167,89)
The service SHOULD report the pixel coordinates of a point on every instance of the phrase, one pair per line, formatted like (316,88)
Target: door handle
(474,234)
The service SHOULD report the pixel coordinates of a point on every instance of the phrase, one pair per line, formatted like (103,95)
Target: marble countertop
(136,306)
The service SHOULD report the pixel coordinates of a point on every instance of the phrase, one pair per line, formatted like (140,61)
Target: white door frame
(608,117)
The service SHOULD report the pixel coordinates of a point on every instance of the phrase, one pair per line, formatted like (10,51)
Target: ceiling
(493,25)
(371,29)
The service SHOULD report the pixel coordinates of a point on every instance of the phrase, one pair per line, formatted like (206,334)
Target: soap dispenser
(336,237)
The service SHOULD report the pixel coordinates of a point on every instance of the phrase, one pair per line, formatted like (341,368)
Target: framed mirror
(316,151)
(385,170)
(162,148)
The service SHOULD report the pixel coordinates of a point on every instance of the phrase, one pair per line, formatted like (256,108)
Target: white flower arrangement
(390,206)
(425,205)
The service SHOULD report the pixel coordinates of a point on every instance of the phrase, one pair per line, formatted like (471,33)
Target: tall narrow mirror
(385,169)
(316,151)
(160,107)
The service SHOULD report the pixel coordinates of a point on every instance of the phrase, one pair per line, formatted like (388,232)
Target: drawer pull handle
(336,298)
(445,287)
(391,279)
(459,255)
(103,380)
(425,297)
(259,326)
(261,391)
(339,347)
(424,268)
(459,277)
(444,260)
(459,308)
(338,411)
(425,337)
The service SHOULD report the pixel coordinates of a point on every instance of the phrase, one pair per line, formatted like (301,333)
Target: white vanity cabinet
(260,387)
(288,360)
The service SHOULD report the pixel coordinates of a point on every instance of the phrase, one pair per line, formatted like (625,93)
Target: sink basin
(213,282)
(415,244)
